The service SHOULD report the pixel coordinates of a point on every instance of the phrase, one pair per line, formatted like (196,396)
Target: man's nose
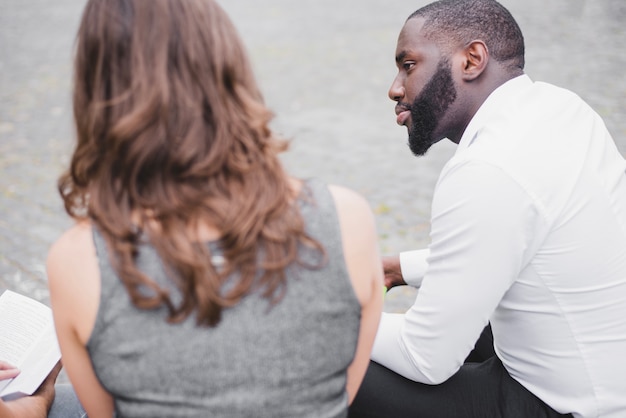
(396,91)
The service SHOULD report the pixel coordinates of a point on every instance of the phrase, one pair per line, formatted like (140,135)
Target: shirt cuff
(413,266)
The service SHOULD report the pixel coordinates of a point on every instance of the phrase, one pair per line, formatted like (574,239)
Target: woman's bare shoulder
(74,242)
(73,250)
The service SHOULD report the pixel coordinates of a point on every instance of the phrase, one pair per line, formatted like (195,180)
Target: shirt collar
(490,106)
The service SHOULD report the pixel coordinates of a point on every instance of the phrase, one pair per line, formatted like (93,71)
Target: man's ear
(475,59)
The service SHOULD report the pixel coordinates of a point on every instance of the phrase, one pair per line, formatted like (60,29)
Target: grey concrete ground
(324,66)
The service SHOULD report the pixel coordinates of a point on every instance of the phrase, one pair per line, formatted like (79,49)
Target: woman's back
(261,360)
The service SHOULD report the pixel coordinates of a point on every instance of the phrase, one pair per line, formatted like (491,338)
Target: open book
(27,341)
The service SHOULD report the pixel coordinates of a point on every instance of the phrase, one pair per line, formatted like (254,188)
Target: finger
(4,365)
(9,373)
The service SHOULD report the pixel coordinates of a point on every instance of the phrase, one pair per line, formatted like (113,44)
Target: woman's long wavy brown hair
(173,134)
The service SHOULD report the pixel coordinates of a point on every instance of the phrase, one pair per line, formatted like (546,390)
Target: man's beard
(429,107)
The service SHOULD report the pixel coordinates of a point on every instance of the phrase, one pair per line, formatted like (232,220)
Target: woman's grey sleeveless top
(286,360)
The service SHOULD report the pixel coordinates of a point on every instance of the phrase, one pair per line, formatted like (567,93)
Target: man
(528,234)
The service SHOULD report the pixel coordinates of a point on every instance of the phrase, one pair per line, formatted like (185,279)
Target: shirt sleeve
(413,266)
(484,229)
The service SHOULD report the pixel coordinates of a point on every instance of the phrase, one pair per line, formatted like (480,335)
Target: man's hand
(393,274)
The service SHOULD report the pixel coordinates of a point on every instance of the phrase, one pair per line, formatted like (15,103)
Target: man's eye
(408,65)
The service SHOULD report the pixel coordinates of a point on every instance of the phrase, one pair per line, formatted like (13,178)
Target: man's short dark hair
(454,23)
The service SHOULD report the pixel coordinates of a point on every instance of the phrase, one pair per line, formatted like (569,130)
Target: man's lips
(403,114)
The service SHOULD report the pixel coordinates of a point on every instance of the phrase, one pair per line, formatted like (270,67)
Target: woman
(199,279)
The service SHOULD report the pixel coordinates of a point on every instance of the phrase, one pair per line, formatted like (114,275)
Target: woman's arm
(74,282)
(360,246)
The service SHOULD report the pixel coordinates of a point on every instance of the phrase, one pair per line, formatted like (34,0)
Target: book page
(27,341)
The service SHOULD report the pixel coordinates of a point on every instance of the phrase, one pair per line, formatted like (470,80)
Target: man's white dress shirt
(528,232)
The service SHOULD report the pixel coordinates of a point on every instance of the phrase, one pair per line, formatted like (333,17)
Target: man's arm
(484,230)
